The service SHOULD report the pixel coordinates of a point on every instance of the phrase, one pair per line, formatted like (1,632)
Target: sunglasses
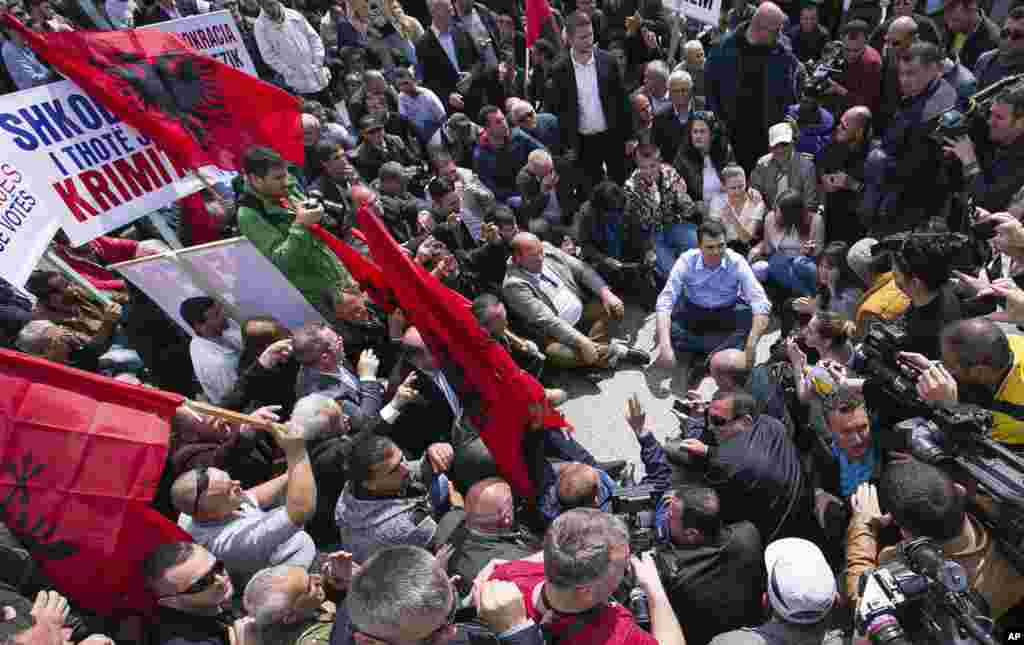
(204,582)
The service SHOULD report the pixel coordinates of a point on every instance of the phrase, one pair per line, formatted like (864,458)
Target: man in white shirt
(293,49)
(587,95)
(215,348)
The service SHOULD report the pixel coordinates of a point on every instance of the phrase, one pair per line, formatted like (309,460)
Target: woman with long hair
(840,289)
(703,154)
(793,237)
(740,210)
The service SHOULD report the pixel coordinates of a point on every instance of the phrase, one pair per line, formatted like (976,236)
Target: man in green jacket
(273,215)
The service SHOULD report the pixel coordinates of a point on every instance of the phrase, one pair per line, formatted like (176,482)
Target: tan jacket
(988,571)
(800,175)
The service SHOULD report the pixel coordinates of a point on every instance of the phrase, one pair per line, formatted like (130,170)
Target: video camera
(636,505)
(925,593)
(961,119)
(956,436)
(964,252)
(831,64)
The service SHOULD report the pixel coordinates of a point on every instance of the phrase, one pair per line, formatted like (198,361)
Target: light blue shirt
(448,44)
(25,69)
(712,288)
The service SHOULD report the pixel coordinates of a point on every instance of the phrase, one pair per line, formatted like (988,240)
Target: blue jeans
(798,274)
(705,331)
(670,242)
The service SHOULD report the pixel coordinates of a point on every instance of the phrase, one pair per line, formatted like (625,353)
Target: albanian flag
(80,459)
(197,109)
(364,271)
(514,401)
(538,15)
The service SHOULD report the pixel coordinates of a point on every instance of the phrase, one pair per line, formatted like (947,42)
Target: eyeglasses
(204,582)
(202,485)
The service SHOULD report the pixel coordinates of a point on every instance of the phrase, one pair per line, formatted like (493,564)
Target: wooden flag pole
(234,417)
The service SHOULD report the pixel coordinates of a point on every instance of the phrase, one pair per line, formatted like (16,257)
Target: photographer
(993,174)
(987,365)
(922,272)
(710,569)
(583,483)
(755,467)
(586,555)
(861,83)
(924,502)
(274,214)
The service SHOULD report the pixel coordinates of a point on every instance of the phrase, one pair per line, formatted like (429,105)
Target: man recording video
(995,172)
(924,502)
(980,365)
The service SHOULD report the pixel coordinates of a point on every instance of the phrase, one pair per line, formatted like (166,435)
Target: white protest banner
(84,164)
(214,34)
(26,226)
(232,269)
(706,11)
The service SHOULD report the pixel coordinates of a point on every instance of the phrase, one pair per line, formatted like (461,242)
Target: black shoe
(636,357)
(614,468)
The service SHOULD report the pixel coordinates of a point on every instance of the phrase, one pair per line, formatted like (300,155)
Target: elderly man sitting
(552,293)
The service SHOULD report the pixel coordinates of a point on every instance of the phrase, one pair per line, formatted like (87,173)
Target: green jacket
(307,263)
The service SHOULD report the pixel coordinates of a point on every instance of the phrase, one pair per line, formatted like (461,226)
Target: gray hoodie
(367,525)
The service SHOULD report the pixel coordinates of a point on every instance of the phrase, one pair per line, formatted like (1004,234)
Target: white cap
(801,585)
(780,133)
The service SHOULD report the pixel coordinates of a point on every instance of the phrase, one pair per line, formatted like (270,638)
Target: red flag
(199,110)
(80,459)
(513,399)
(538,12)
(364,271)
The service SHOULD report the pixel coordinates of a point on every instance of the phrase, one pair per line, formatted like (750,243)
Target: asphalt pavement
(597,410)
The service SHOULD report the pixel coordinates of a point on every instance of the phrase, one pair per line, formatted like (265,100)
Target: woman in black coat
(705,144)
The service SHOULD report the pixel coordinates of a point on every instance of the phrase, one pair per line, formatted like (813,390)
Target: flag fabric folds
(366,273)
(81,456)
(197,109)
(514,401)
(538,12)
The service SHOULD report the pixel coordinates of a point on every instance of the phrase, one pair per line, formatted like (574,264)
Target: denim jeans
(798,274)
(705,331)
(670,242)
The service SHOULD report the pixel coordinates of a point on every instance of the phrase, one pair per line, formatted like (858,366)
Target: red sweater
(613,626)
(863,80)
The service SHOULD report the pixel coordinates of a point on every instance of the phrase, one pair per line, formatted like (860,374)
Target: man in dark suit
(670,126)
(441,413)
(321,352)
(587,95)
(452,64)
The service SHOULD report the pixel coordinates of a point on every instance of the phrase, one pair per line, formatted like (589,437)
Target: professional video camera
(336,210)
(957,436)
(962,119)
(924,593)
(831,64)
(635,505)
(963,251)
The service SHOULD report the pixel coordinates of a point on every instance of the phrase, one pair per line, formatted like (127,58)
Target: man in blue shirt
(711,301)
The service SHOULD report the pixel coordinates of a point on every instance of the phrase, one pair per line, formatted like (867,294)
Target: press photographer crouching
(982,365)
(924,502)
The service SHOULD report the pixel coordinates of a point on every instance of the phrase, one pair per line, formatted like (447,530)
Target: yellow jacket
(883,300)
(1008,407)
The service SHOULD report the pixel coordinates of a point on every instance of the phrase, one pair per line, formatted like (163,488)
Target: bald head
(729,369)
(310,129)
(539,162)
(901,35)
(766,23)
(577,485)
(489,505)
(528,252)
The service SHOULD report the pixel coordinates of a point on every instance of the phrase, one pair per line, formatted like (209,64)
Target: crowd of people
(719,183)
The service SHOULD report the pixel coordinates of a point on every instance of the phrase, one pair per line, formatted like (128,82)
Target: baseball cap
(859,257)
(801,585)
(780,133)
